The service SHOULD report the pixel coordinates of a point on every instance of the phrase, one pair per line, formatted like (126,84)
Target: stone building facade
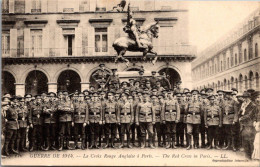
(51,45)
(233,61)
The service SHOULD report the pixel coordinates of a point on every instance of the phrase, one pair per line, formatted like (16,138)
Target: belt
(193,113)
(229,113)
(110,113)
(94,113)
(81,113)
(170,111)
(38,115)
(146,114)
(21,119)
(125,113)
(157,115)
(215,116)
(12,119)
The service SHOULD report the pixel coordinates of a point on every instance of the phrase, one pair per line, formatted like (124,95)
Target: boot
(122,141)
(112,142)
(23,146)
(53,146)
(61,141)
(189,144)
(47,145)
(68,144)
(182,140)
(142,142)
(177,140)
(128,142)
(107,142)
(6,152)
(92,142)
(95,144)
(83,144)
(168,142)
(18,145)
(209,147)
(233,145)
(33,146)
(195,141)
(159,141)
(216,144)
(76,143)
(173,142)
(154,141)
(228,145)
(151,143)
(13,150)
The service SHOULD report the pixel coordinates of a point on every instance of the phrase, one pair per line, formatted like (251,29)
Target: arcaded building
(51,45)
(233,61)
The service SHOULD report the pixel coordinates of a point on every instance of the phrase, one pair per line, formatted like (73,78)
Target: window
(5,6)
(221,66)
(232,60)
(36,41)
(256,50)
(36,6)
(245,55)
(228,62)
(240,54)
(100,39)
(5,43)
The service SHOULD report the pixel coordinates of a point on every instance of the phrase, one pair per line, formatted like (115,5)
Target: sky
(209,21)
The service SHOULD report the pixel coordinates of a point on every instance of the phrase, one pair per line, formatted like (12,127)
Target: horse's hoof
(154,60)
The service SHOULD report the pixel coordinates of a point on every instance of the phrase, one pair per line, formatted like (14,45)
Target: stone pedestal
(19,89)
(84,86)
(52,87)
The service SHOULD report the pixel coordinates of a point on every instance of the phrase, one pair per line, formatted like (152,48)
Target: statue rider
(131,28)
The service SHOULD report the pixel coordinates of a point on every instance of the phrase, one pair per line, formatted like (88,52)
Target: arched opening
(225,84)
(69,80)
(172,75)
(236,83)
(36,82)
(251,80)
(228,85)
(241,83)
(246,83)
(8,81)
(219,85)
(257,81)
(232,82)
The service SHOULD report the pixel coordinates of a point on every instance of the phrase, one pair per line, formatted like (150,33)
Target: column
(19,89)
(84,86)
(52,87)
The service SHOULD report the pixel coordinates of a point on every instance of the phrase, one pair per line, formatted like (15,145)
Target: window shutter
(45,41)
(44,6)
(91,40)
(27,44)
(92,5)
(13,42)
(78,41)
(111,37)
(11,6)
(58,41)
(28,6)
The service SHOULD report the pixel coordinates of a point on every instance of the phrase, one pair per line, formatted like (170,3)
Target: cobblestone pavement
(134,156)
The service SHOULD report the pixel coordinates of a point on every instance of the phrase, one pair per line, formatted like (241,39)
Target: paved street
(159,156)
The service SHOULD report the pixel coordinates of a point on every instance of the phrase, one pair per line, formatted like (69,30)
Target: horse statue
(128,43)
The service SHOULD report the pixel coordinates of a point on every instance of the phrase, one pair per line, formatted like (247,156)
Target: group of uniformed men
(134,110)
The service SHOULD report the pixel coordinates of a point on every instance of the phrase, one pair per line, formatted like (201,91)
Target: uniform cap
(153,72)
(208,90)
(153,96)
(37,96)
(212,97)
(101,65)
(65,93)
(52,94)
(7,95)
(194,92)
(246,94)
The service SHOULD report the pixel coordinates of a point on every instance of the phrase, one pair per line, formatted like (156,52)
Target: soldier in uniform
(95,119)
(50,121)
(247,117)
(153,79)
(145,117)
(230,120)
(193,111)
(5,107)
(87,128)
(164,81)
(213,120)
(80,118)
(171,113)
(180,125)
(125,118)
(112,79)
(157,107)
(12,125)
(36,122)
(101,73)
(23,114)
(141,78)
(131,84)
(110,116)
(65,110)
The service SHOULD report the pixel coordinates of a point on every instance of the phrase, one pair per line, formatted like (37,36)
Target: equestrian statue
(138,39)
